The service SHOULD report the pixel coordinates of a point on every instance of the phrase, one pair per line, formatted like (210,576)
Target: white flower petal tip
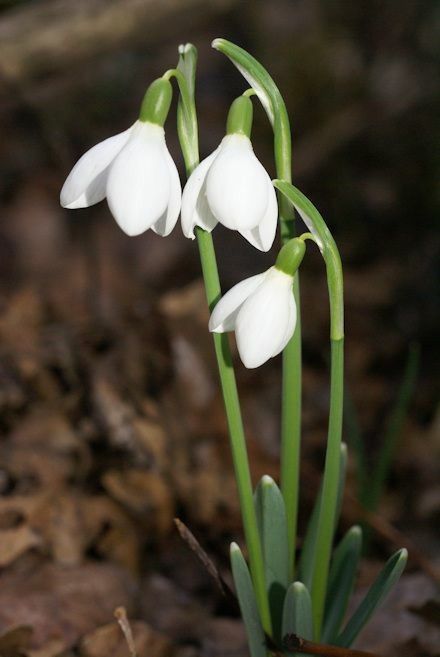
(262,311)
(165,224)
(136,173)
(262,237)
(225,312)
(85,184)
(195,208)
(231,187)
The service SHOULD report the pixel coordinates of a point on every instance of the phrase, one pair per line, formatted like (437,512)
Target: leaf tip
(403,555)
(356,530)
(266,480)
(299,588)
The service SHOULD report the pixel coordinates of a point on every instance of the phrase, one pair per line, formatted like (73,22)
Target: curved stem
(292,357)
(330,485)
(273,103)
(189,144)
(329,503)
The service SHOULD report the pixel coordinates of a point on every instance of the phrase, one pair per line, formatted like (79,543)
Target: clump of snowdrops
(279,594)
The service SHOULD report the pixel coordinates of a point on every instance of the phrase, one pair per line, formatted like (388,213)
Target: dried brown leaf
(108,641)
(62,603)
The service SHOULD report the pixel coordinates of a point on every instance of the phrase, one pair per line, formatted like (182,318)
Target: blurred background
(111,416)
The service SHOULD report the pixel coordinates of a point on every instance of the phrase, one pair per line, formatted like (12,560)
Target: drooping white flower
(262,309)
(134,171)
(232,187)
(262,312)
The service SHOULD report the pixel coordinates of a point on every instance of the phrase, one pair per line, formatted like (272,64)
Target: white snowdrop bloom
(261,309)
(133,170)
(232,187)
(262,312)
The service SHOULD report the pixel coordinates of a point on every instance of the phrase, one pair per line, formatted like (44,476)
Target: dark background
(110,409)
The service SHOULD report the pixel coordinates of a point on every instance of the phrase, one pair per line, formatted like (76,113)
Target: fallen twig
(121,616)
(293,642)
(207,562)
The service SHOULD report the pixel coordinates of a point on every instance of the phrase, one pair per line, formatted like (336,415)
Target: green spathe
(156,103)
(290,256)
(240,117)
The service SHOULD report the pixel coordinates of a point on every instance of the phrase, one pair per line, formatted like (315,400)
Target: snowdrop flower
(261,309)
(133,170)
(232,187)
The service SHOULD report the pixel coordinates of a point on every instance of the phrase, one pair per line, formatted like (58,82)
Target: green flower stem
(189,144)
(236,432)
(327,512)
(328,509)
(274,105)
(292,358)
(291,429)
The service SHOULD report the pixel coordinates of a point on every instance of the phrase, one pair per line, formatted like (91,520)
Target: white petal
(166,223)
(236,185)
(263,235)
(290,328)
(195,209)
(138,185)
(85,184)
(265,319)
(224,314)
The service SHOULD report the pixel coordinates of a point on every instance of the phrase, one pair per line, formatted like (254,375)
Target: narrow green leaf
(186,112)
(342,578)
(355,441)
(373,490)
(188,64)
(375,596)
(341,483)
(248,603)
(307,560)
(271,516)
(297,612)
(255,74)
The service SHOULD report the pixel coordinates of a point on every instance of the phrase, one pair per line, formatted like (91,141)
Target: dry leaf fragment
(62,603)
(144,493)
(108,641)
(14,642)
(15,542)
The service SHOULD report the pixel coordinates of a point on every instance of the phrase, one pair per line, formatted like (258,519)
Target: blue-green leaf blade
(375,596)
(248,603)
(297,612)
(342,578)
(271,516)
